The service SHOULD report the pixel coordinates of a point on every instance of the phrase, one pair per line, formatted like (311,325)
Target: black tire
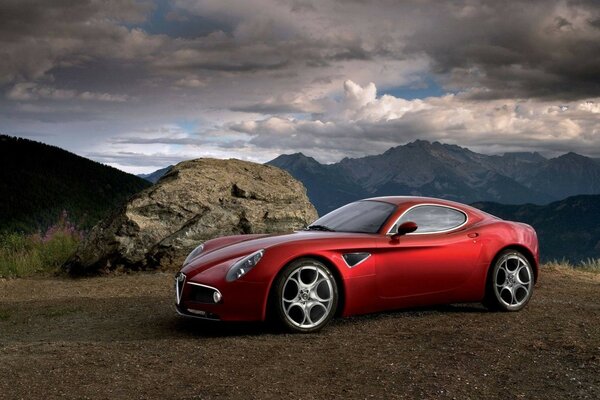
(299,312)
(510,282)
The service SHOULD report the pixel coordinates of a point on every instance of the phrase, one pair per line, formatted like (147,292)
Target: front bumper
(238,301)
(200,314)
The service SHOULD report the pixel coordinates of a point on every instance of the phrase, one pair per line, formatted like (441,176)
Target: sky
(141,84)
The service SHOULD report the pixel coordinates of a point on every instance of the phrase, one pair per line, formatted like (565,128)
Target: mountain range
(567,229)
(153,177)
(38,182)
(447,171)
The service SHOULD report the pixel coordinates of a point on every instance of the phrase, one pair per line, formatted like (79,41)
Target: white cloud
(28,91)
(103,97)
(191,82)
(590,106)
(361,122)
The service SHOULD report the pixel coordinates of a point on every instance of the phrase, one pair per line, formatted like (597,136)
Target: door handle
(473,235)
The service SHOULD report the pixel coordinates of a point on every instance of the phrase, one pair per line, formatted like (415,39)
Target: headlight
(242,267)
(194,254)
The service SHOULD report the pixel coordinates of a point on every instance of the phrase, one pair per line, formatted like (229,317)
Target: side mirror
(404,228)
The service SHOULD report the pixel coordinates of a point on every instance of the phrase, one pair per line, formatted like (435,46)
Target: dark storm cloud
(595,23)
(31,17)
(269,75)
(507,49)
(39,36)
(517,49)
(548,49)
(238,67)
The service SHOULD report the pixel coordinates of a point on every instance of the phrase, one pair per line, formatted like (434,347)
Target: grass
(25,255)
(591,265)
(588,265)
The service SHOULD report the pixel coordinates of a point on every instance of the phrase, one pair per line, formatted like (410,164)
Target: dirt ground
(119,337)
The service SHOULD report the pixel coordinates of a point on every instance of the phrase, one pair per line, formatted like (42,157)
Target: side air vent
(353,259)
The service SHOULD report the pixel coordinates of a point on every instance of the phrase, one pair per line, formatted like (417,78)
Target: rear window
(431,218)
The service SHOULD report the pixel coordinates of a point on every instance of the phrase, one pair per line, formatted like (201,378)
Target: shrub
(24,255)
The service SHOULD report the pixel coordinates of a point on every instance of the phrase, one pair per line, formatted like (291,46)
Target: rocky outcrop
(195,201)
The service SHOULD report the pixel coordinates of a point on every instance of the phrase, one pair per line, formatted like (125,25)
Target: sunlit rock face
(197,200)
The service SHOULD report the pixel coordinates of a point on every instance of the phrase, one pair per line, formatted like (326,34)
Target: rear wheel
(305,296)
(510,283)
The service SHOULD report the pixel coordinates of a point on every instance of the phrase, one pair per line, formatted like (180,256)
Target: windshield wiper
(320,228)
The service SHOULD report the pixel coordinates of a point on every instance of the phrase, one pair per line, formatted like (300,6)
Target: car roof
(398,200)
(410,201)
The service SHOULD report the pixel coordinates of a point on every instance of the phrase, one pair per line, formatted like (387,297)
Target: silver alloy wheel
(513,281)
(307,296)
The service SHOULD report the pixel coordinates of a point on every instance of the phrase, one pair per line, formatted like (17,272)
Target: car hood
(235,247)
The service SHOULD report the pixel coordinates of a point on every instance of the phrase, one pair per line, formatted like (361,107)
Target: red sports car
(371,255)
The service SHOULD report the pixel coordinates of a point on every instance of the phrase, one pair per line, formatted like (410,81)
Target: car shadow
(417,312)
(211,329)
(460,308)
(154,318)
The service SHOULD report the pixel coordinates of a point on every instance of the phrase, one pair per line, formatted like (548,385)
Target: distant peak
(421,143)
(525,156)
(296,155)
(572,156)
(410,145)
(295,158)
(427,146)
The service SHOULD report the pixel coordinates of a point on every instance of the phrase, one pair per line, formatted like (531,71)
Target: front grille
(179,284)
(201,294)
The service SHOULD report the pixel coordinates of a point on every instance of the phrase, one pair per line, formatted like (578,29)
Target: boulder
(195,201)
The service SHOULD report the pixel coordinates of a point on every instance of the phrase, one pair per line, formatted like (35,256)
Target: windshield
(365,216)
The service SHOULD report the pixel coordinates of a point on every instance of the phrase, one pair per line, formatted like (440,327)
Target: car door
(438,257)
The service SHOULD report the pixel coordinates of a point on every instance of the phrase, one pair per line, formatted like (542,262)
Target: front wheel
(510,284)
(306,296)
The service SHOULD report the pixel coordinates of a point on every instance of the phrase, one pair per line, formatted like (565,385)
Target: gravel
(119,337)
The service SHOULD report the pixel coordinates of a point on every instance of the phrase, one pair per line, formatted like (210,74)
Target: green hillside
(567,229)
(38,182)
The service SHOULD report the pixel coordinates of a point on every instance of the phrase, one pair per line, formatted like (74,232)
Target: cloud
(252,78)
(517,49)
(103,97)
(31,91)
(360,122)
(39,36)
(123,158)
(285,103)
(542,49)
(191,82)
(27,91)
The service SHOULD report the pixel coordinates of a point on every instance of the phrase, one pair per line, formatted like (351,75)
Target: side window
(430,219)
